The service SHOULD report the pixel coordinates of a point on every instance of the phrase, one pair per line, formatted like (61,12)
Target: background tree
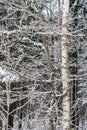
(31,47)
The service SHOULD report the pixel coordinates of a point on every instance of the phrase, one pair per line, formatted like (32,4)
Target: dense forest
(43,64)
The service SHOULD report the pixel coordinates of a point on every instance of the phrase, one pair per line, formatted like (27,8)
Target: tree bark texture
(64,67)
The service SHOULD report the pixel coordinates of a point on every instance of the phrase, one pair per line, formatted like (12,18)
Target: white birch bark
(64,68)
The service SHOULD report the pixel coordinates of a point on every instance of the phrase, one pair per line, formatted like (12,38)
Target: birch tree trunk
(64,68)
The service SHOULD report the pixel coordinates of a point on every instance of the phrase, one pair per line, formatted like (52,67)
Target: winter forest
(43,64)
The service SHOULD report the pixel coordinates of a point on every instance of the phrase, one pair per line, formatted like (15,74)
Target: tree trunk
(74,55)
(64,67)
(8,104)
